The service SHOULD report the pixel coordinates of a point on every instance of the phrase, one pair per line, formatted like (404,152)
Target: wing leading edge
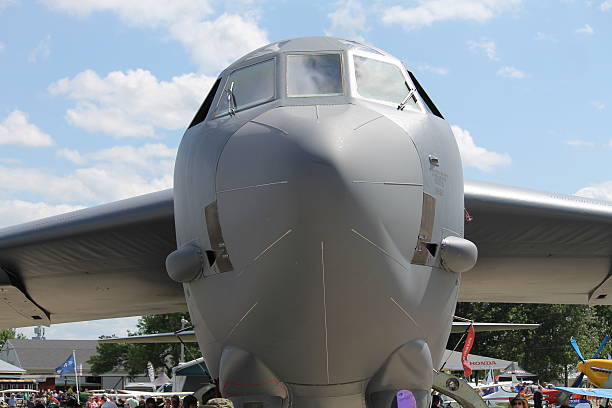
(537,247)
(109,261)
(100,262)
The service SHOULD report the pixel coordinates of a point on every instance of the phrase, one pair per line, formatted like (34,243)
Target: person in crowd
(518,402)
(190,402)
(131,402)
(120,403)
(150,403)
(12,401)
(537,397)
(167,403)
(176,401)
(107,402)
(219,403)
(436,401)
(30,403)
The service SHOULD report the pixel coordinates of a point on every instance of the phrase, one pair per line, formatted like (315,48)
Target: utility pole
(184,324)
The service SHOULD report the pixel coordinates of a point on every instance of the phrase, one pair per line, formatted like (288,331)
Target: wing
(101,262)
(187,336)
(589,392)
(537,247)
(460,327)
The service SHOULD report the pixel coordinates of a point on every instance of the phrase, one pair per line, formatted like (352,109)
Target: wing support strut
(458,389)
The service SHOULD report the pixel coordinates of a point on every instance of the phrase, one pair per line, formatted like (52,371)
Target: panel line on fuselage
(389,183)
(404,311)
(325,310)
(253,186)
(229,334)
(262,253)
(380,249)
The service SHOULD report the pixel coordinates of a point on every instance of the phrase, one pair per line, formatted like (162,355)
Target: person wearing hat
(518,402)
(219,403)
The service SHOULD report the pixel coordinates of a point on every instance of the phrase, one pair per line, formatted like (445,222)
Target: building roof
(45,355)
(6,368)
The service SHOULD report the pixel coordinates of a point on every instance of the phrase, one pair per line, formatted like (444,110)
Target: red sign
(469,342)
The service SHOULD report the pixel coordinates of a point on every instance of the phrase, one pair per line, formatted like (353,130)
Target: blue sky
(95,94)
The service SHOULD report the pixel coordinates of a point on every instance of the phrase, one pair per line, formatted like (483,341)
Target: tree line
(545,351)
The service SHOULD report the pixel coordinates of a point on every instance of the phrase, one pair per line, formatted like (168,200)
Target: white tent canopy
(453,362)
(6,368)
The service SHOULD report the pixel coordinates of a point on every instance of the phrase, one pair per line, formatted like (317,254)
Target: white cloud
(486,46)
(511,72)
(546,37)
(586,30)
(2,47)
(16,130)
(606,5)
(133,103)
(579,143)
(428,12)
(18,211)
(598,105)
(598,191)
(137,156)
(432,69)
(41,51)
(91,330)
(5,3)
(106,175)
(71,155)
(9,160)
(213,43)
(348,20)
(476,156)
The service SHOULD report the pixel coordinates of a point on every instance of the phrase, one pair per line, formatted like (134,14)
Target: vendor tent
(453,362)
(514,369)
(9,369)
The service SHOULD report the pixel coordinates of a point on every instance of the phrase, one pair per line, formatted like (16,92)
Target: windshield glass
(381,81)
(249,86)
(314,75)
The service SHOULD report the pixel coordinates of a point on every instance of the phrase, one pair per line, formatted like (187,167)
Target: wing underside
(101,262)
(537,247)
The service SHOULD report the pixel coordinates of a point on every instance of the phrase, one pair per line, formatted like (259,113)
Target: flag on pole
(467,346)
(151,371)
(67,368)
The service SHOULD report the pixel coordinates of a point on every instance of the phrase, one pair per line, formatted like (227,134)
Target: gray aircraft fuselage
(310,233)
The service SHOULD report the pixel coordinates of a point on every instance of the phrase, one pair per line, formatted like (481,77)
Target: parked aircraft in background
(315,233)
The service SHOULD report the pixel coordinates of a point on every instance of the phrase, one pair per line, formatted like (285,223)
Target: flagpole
(76,376)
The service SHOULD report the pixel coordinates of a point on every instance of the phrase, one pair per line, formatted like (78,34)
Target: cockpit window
(382,81)
(314,75)
(247,87)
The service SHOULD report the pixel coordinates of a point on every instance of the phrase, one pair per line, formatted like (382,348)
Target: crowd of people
(68,399)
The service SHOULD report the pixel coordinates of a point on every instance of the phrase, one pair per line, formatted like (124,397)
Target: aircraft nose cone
(320,168)
(314,204)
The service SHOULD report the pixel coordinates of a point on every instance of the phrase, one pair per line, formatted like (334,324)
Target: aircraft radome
(316,233)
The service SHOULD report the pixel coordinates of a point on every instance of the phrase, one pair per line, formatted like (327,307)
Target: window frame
(251,62)
(286,56)
(388,60)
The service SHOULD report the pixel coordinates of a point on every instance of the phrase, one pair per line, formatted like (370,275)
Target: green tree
(134,357)
(6,334)
(546,351)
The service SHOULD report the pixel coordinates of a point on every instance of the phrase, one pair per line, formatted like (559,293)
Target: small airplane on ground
(595,369)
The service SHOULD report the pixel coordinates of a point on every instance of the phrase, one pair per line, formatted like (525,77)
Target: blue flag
(67,368)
